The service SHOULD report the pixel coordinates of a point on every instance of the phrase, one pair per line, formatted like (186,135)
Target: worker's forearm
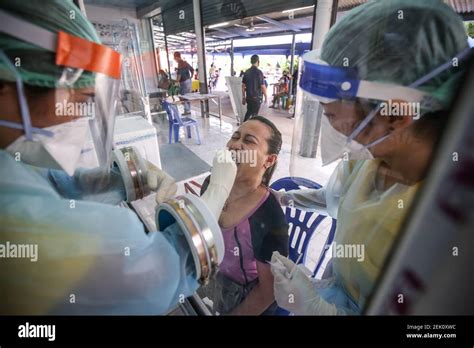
(243,91)
(88,184)
(306,199)
(257,301)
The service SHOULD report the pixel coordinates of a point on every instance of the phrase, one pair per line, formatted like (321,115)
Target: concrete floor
(215,136)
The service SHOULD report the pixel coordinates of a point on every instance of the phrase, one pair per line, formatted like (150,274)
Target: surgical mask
(59,151)
(332,141)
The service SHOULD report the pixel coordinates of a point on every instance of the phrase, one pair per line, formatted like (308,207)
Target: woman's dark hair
(274,146)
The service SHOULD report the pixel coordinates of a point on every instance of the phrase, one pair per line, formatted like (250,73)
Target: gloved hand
(222,179)
(160,182)
(279,195)
(145,177)
(310,198)
(294,291)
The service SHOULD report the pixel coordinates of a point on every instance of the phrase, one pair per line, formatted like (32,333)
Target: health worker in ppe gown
(86,254)
(384,94)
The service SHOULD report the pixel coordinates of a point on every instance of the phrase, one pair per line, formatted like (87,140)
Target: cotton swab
(279,264)
(296,265)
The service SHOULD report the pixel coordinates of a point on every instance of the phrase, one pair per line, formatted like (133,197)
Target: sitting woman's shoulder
(269,229)
(270,210)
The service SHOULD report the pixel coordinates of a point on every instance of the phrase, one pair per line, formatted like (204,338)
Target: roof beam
(277,23)
(230,32)
(148,11)
(174,40)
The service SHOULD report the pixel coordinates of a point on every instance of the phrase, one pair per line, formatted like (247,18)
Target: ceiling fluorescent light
(218,25)
(297,9)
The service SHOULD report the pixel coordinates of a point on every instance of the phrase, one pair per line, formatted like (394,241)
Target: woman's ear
(270,161)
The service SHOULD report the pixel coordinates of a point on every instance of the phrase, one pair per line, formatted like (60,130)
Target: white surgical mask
(334,145)
(61,151)
(357,151)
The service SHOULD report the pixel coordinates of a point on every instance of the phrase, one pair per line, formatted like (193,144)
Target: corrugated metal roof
(302,21)
(461,6)
(348,4)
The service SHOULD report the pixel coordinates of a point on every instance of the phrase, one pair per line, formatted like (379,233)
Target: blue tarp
(283,49)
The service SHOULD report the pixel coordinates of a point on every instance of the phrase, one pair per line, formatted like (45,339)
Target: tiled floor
(214,136)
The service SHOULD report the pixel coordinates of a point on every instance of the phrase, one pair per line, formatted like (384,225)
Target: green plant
(469,28)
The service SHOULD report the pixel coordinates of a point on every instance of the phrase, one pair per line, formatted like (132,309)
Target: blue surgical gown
(93,257)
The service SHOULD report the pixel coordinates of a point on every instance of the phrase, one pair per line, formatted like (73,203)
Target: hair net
(399,41)
(37,66)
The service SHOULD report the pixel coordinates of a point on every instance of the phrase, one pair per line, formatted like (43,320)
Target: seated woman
(281,90)
(253,225)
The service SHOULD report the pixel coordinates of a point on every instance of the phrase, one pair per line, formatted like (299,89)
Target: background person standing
(212,70)
(253,88)
(183,76)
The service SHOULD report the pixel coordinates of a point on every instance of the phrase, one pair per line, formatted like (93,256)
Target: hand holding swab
(296,265)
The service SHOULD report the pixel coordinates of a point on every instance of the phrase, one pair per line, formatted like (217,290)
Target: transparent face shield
(79,112)
(334,109)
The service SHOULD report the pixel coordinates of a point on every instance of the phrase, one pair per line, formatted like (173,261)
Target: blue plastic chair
(306,228)
(175,122)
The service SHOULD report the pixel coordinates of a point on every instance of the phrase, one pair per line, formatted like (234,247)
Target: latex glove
(222,179)
(284,197)
(304,199)
(279,195)
(294,290)
(160,182)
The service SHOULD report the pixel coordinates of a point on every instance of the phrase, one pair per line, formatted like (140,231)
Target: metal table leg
(220,111)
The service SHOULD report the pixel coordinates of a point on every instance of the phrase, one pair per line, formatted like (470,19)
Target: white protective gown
(366,217)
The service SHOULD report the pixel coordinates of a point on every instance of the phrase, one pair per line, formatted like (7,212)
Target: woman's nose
(235,145)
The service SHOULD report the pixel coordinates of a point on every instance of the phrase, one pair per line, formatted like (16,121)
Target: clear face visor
(333,107)
(86,110)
